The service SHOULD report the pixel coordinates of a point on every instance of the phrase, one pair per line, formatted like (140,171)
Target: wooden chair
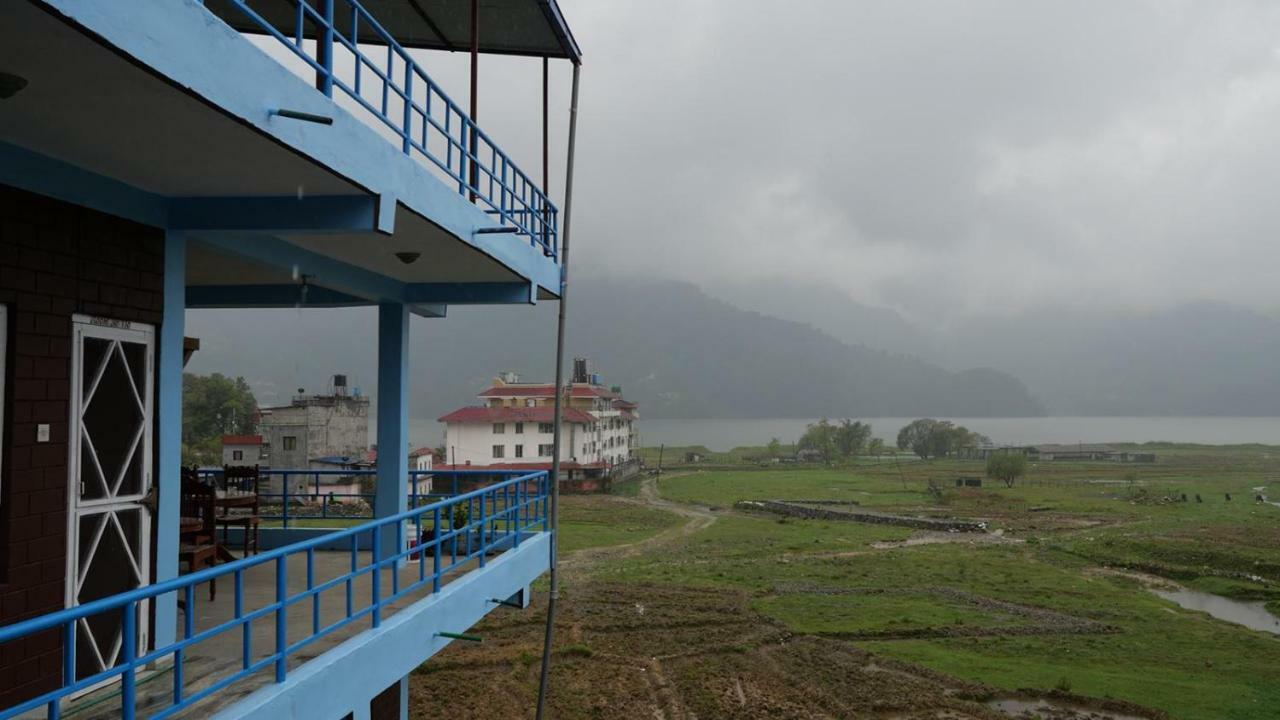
(199,548)
(240,511)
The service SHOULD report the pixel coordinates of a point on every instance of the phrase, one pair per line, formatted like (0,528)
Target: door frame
(83,326)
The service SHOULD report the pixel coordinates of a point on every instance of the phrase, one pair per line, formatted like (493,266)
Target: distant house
(694,457)
(1077,451)
(421,458)
(242,450)
(809,455)
(514,428)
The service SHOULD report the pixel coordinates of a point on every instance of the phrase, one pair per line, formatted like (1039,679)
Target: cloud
(945,159)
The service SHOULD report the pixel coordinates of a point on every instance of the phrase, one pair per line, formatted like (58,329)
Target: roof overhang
(508,27)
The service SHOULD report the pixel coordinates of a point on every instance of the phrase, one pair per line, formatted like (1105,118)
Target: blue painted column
(393,416)
(168,474)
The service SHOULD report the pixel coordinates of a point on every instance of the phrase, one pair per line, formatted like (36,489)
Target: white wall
(473,442)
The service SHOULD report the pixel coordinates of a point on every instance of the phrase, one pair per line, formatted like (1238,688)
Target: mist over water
(721,435)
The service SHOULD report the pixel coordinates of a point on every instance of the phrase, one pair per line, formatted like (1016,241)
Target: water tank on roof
(595,378)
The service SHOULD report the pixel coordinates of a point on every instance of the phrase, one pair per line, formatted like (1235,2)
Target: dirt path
(696,518)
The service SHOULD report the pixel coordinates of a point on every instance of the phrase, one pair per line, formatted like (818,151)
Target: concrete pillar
(393,416)
(168,475)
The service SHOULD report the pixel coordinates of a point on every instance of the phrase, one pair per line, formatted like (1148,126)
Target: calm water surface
(1252,615)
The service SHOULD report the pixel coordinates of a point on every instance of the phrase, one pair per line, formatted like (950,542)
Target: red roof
(545,390)
(422,451)
(515,414)
(241,439)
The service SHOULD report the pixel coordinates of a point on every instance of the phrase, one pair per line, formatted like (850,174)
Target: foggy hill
(1196,359)
(675,350)
(1199,358)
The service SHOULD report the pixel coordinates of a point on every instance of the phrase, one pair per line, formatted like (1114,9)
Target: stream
(1252,615)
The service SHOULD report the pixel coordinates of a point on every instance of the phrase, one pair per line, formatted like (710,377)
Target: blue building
(159,155)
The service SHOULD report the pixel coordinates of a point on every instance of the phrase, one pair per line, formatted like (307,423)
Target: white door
(109,518)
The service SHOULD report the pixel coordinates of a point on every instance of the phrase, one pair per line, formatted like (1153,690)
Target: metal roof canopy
(508,27)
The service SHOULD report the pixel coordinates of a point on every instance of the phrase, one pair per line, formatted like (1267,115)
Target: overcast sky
(942,158)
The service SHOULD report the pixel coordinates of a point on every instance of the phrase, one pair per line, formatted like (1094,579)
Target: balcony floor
(215,658)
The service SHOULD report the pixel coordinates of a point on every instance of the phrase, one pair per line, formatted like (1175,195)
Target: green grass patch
(814,613)
(595,520)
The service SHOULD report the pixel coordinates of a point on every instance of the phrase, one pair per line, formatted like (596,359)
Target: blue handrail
(287,496)
(429,120)
(509,511)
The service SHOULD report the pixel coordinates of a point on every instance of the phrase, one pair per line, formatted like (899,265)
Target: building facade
(312,427)
(513,426)
(163,155)
(243,450)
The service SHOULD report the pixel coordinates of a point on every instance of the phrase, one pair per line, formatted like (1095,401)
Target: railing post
(324,50)
(284,500)
(68,661)
(376,580)
(128,653)
(483,522)
(281,619)
(519,510)
(435,551)
(406,131)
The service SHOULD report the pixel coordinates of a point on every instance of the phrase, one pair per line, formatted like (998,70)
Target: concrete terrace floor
(220,656)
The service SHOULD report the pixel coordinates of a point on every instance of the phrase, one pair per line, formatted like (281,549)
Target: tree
(820,436)
(775,448)
(1006,466)
(928,438)
(875,447)
(918,436)
(851,437)
(213,406)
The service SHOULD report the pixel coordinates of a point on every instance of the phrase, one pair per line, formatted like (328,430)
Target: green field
(1069,519)
(729,611)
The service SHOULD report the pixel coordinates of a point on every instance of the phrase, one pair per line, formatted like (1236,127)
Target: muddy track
(696,518)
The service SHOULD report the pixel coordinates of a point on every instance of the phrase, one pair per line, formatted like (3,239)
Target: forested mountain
(671,347)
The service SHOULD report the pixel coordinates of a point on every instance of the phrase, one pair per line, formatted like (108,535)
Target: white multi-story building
(513,428)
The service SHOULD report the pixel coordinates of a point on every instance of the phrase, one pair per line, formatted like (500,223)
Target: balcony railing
(499,517)
(427,122)
(315,502)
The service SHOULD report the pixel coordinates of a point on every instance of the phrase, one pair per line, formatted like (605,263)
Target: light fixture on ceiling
(11,85)
(408,258)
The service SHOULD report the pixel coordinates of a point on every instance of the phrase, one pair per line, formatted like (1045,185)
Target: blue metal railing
(428,121)
(318,503)
(497,517)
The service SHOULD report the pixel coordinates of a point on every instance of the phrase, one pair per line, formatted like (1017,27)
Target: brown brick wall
(56,259)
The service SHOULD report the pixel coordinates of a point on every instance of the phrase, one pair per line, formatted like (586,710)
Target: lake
(721,435)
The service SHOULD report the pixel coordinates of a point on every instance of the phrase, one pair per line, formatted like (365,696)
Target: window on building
(531,402)
(237,454)
(545,450)
(499,428)
(499,451)
(519,451)
(519,428)
(289,442)
(545,428)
